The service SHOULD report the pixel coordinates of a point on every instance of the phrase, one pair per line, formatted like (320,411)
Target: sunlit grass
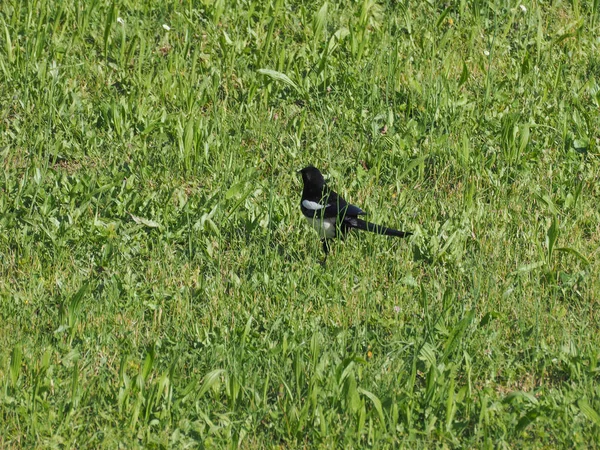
(158,284)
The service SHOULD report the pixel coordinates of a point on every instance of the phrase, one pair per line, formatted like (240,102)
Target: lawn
(160,288)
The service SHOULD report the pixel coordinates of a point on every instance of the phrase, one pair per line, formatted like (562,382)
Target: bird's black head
(312,177)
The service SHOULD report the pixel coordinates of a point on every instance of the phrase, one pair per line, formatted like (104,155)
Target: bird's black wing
(338,207)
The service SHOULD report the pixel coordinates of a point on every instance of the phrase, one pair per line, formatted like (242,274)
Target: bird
(330,215)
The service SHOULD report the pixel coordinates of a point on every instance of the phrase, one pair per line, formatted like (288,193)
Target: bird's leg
(325,247)
(326,250)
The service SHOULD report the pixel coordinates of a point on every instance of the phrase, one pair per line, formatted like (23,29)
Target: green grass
(159,287)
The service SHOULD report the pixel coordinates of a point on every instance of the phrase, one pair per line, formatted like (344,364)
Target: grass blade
(210,380)
(16,357)
(376,403)
(589,412)
(281,77)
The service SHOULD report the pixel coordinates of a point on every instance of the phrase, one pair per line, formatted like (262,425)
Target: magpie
(329,214)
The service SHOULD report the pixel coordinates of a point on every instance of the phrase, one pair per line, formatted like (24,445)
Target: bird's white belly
(325,227)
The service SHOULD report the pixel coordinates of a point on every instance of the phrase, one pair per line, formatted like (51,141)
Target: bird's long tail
(379,229)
